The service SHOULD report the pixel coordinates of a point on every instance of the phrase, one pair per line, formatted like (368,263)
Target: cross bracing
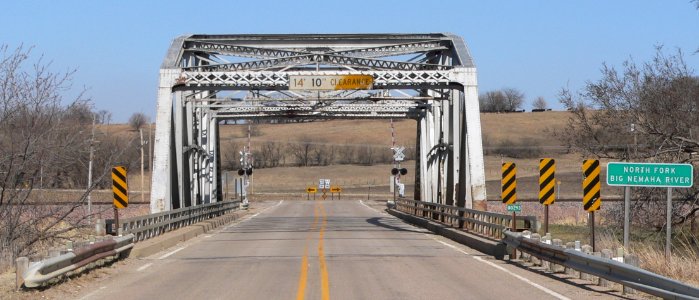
(207,79)
(194,80)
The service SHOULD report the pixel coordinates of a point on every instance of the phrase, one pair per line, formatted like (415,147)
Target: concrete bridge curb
(485,245)
(170,239)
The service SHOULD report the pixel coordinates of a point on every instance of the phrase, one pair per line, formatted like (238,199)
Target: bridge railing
(485,223)
(149,226)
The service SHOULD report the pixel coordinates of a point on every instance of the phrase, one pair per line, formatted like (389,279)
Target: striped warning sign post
(591,193)
(547,181)
(547,186)
(591,185)
(509,194)
(509,183)
(119,187)
(121,194)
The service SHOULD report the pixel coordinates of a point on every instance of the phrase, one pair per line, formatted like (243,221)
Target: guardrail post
(588,250)
(606,253)
(535,260)
(100,227)
(554,267)
(546,239)
(523,255)
(21,266)
(634,261)
(567,270)
(596,279)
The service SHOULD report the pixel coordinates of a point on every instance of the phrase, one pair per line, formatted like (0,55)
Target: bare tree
(647,112)
(230,156)
(137,120)
(539,103)
(302,151)
(492,101)
(104,117)
(39,136)
(270,155)
(514,99)
(346,154)
(505,100)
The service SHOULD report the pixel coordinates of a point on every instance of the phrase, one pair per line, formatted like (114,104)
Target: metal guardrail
(611,270)
(134,230)
(482,222)
(38,273)
(149,226)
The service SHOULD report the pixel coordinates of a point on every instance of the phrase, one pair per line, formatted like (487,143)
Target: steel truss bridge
(209,79)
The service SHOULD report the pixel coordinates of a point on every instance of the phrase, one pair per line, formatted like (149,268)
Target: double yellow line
(318,212)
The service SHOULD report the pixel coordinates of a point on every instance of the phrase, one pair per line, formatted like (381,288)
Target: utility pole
(143,190)
(89,173)
(150,147)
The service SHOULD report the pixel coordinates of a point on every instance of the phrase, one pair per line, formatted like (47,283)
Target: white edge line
(452,246)
(171,253)
(144,267)
(266,209)
(255,215)
(494,265)
(362,202)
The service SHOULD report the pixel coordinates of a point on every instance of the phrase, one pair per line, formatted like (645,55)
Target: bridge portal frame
(437,67)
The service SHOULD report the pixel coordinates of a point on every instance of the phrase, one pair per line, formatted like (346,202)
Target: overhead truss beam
(268,53)
(280,80)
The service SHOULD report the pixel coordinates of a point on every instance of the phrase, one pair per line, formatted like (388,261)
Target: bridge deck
(367,254)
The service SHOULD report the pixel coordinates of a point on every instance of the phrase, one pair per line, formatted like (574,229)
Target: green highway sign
(650,175)
(514,207)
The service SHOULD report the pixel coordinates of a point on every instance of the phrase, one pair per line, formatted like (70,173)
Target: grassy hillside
(496,128)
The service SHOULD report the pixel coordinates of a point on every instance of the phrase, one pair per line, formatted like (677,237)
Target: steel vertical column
(456,142)
(437,154)
(163,148)
(417,191)
(449,139)
(467,77)
(465,197)
(425,184)
(217,189)
(181,155)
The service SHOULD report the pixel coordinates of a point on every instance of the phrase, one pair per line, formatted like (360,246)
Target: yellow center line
(324,282)
(303,277)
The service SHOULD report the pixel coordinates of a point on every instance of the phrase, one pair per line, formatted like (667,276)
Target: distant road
(326,250)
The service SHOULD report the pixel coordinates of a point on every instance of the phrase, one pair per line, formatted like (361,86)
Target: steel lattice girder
(325,59)
(193,80)
(334,109)
(265,53)
(198,67)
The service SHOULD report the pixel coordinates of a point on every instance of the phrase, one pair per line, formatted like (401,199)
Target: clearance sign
(330,82)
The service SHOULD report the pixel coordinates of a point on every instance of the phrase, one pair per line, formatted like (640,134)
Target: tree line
(306,153)
(507,100)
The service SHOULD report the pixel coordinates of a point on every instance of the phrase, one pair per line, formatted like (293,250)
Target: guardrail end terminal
(21,266)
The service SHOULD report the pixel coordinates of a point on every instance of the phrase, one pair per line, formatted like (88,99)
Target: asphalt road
(327,250)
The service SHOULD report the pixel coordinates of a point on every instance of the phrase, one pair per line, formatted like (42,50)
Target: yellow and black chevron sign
(591,185)
(119,187)
(509,183)
(547,181)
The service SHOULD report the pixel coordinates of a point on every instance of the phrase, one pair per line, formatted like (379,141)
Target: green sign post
(649,175)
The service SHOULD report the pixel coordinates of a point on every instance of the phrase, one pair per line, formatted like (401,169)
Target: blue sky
(535,46)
